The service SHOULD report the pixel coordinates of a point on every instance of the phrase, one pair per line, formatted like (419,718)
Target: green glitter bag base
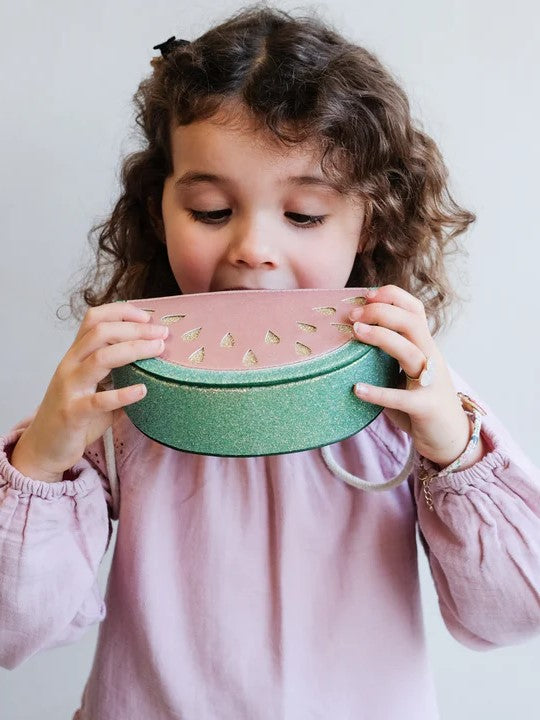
(256,372)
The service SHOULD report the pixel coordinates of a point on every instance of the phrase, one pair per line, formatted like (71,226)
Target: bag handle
(108,442)
(360,482)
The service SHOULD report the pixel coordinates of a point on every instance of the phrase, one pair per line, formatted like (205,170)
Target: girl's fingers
(395,295)
(396,319)
(109,312)
(81,386)
(106,401)
(98,365)
(110,333)
(409,324)
(404,400)
(409,356)
(110,336)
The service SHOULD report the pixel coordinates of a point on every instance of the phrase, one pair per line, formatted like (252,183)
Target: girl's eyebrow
(192,177)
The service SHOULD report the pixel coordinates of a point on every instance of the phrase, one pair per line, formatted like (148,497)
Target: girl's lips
(243,288)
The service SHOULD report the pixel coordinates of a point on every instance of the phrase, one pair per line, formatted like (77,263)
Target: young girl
(276,155)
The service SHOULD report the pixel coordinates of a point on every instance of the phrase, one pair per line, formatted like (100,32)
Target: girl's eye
(208,217)
(308,220)
(215,217)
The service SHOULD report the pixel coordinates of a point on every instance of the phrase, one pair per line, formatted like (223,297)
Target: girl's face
(239,211)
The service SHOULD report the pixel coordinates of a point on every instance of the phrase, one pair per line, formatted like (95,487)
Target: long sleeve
(52,539)
(482,540)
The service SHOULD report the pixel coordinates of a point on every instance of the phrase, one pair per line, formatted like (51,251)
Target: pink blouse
(265,588)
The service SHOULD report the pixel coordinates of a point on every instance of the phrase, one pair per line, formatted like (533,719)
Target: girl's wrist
(474,451)
(477,454)
(474,447)
(21,460)
(449,454)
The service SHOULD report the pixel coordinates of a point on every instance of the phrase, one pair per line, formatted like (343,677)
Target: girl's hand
(72,414)
(432,415)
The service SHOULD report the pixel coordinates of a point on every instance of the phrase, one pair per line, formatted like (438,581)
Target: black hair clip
(169,45)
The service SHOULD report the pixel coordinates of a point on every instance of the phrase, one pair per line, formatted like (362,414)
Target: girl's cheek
(192,268)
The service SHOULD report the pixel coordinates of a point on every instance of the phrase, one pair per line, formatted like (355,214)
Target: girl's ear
(156,219)
(364,230)
(362,241)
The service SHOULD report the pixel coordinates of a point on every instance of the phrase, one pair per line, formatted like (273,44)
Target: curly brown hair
(301,79)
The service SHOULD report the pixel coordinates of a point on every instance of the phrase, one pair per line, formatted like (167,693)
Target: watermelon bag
(256,372)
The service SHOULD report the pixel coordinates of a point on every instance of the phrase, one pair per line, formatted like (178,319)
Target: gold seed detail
(249,358)
(227,340)
(325,310)
(358,300)
(271,337)
(169,319)
(192,334)
(302,349)
(306,327)
(197,356)
(344,328)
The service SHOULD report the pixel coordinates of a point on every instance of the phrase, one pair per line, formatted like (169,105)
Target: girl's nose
(253,248)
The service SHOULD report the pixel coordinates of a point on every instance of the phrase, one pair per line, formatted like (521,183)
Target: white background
(69,70)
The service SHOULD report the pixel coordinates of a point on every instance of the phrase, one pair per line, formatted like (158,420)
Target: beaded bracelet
(473,409)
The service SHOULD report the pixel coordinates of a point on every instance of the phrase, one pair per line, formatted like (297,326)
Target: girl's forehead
(234,142)
(208,141)
(234,126)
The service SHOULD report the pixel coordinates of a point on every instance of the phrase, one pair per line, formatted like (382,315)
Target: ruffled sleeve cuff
(78,480)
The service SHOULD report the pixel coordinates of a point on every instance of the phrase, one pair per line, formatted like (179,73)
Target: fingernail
(359,327)
(361,389)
